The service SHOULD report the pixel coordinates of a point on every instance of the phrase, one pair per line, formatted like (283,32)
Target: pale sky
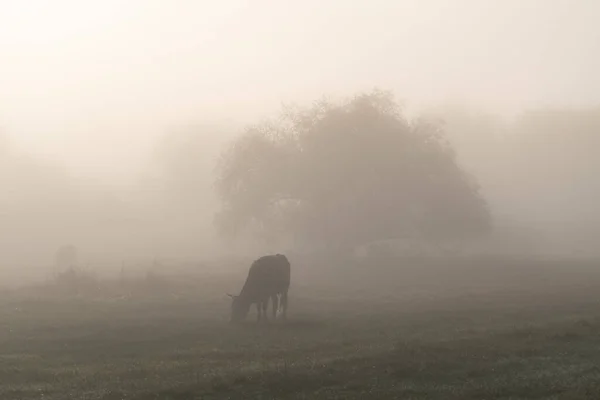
(94,83)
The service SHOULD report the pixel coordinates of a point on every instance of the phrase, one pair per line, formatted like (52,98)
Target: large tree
(344,174)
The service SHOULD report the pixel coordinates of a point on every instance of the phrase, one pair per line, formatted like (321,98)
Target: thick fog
(113,114)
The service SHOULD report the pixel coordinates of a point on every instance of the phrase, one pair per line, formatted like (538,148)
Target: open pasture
(380,328)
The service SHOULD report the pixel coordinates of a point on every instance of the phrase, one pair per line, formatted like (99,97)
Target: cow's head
(239,308)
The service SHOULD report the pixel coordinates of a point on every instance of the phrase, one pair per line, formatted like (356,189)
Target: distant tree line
(334,175)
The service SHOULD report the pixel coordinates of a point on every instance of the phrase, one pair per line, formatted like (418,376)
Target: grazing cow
(269,277)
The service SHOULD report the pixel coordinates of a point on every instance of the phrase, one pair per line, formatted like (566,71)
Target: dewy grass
(516,331)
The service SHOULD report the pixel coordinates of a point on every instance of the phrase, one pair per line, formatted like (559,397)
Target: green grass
(503,330)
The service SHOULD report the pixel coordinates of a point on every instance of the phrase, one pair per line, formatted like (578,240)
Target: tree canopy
(342,174)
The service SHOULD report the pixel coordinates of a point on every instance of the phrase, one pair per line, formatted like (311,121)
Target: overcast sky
(95,82)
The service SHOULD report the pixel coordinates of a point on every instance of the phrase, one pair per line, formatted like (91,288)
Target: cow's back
(268,275)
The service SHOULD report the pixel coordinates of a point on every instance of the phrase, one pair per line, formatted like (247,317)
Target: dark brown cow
(268,278)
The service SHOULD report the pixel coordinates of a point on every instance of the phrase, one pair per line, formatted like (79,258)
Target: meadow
(460,328)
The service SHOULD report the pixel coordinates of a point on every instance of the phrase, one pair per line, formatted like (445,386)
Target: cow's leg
(284,304)
(275,300)
(265,305)
(258,310)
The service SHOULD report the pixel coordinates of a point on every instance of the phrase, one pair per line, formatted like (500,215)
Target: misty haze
(286,200)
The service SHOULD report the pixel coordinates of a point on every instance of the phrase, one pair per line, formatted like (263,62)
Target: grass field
(460,329)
